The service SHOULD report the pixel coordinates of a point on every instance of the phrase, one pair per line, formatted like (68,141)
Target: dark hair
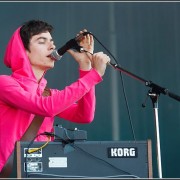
(31,28)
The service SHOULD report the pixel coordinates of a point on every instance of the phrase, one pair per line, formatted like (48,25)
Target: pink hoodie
(21,99)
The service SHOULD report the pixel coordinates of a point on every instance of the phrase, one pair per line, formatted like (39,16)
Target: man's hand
(99,62)
(87,42)
(83,58)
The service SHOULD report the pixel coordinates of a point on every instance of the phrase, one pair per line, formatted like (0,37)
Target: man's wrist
(85,66)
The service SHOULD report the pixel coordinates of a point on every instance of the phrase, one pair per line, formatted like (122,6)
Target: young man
(22,99)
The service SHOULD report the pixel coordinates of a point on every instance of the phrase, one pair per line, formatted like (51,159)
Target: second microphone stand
(153,93)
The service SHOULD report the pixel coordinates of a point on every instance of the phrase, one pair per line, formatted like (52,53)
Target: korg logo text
(123,152)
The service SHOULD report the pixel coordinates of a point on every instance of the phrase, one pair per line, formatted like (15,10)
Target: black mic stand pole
(154,93)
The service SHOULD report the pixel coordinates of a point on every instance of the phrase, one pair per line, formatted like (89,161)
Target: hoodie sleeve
(82,111)
(53,105)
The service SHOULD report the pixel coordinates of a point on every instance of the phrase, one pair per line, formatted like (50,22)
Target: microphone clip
(78,48)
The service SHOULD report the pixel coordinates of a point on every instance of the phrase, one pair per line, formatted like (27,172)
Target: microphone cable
(122,81)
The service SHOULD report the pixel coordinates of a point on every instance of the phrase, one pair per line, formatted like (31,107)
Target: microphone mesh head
(55,56)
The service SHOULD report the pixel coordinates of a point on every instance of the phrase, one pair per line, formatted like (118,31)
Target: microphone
(71,44)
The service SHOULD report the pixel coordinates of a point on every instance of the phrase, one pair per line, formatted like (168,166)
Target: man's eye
(41,42)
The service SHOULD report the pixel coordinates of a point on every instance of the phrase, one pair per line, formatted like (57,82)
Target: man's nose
(52,45)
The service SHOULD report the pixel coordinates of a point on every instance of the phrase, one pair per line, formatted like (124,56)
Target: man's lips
(49,56)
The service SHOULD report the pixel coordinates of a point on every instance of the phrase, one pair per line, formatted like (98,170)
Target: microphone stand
(154,93)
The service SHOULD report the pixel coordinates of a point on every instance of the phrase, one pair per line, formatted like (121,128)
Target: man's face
(40,47)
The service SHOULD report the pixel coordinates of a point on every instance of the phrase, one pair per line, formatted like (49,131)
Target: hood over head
(16,58)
